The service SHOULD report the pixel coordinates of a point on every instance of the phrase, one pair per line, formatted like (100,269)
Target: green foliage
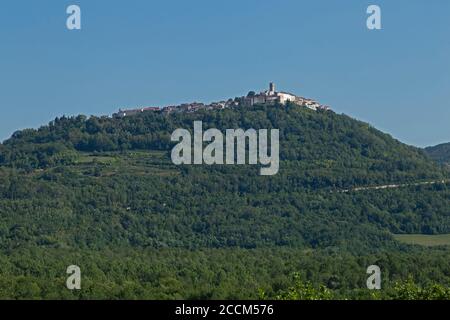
(305,291)
(401,290)
(229,273)
(408,290)
(440,153)
(103,193)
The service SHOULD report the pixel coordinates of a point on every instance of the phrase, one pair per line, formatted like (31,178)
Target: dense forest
(440,153)
(102,193)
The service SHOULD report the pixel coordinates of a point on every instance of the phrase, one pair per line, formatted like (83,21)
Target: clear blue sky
(148,52)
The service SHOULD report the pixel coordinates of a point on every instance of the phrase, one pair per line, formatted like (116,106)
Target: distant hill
(102,188)
(440,153)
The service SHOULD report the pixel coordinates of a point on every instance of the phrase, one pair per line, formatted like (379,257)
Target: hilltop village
(268,97)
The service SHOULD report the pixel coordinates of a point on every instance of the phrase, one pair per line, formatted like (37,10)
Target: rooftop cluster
(268,97)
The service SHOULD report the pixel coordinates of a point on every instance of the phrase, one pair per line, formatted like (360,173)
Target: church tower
(272,88)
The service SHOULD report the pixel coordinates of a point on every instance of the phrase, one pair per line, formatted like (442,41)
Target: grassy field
(136,162)
(424,240)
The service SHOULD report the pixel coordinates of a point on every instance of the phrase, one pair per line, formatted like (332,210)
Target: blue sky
(148,52)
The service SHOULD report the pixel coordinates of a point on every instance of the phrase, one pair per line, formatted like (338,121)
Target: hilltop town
(267,97)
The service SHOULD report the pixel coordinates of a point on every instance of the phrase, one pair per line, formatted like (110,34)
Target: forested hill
(440,153)
(111,182)
(103,193)
(323,148)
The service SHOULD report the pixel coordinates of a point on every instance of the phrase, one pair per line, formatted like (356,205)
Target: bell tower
(272,88)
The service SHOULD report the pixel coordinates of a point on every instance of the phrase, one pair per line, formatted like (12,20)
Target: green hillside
(98,190)
(440,153)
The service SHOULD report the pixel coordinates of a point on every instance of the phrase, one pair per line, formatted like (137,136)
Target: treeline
(37,273)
